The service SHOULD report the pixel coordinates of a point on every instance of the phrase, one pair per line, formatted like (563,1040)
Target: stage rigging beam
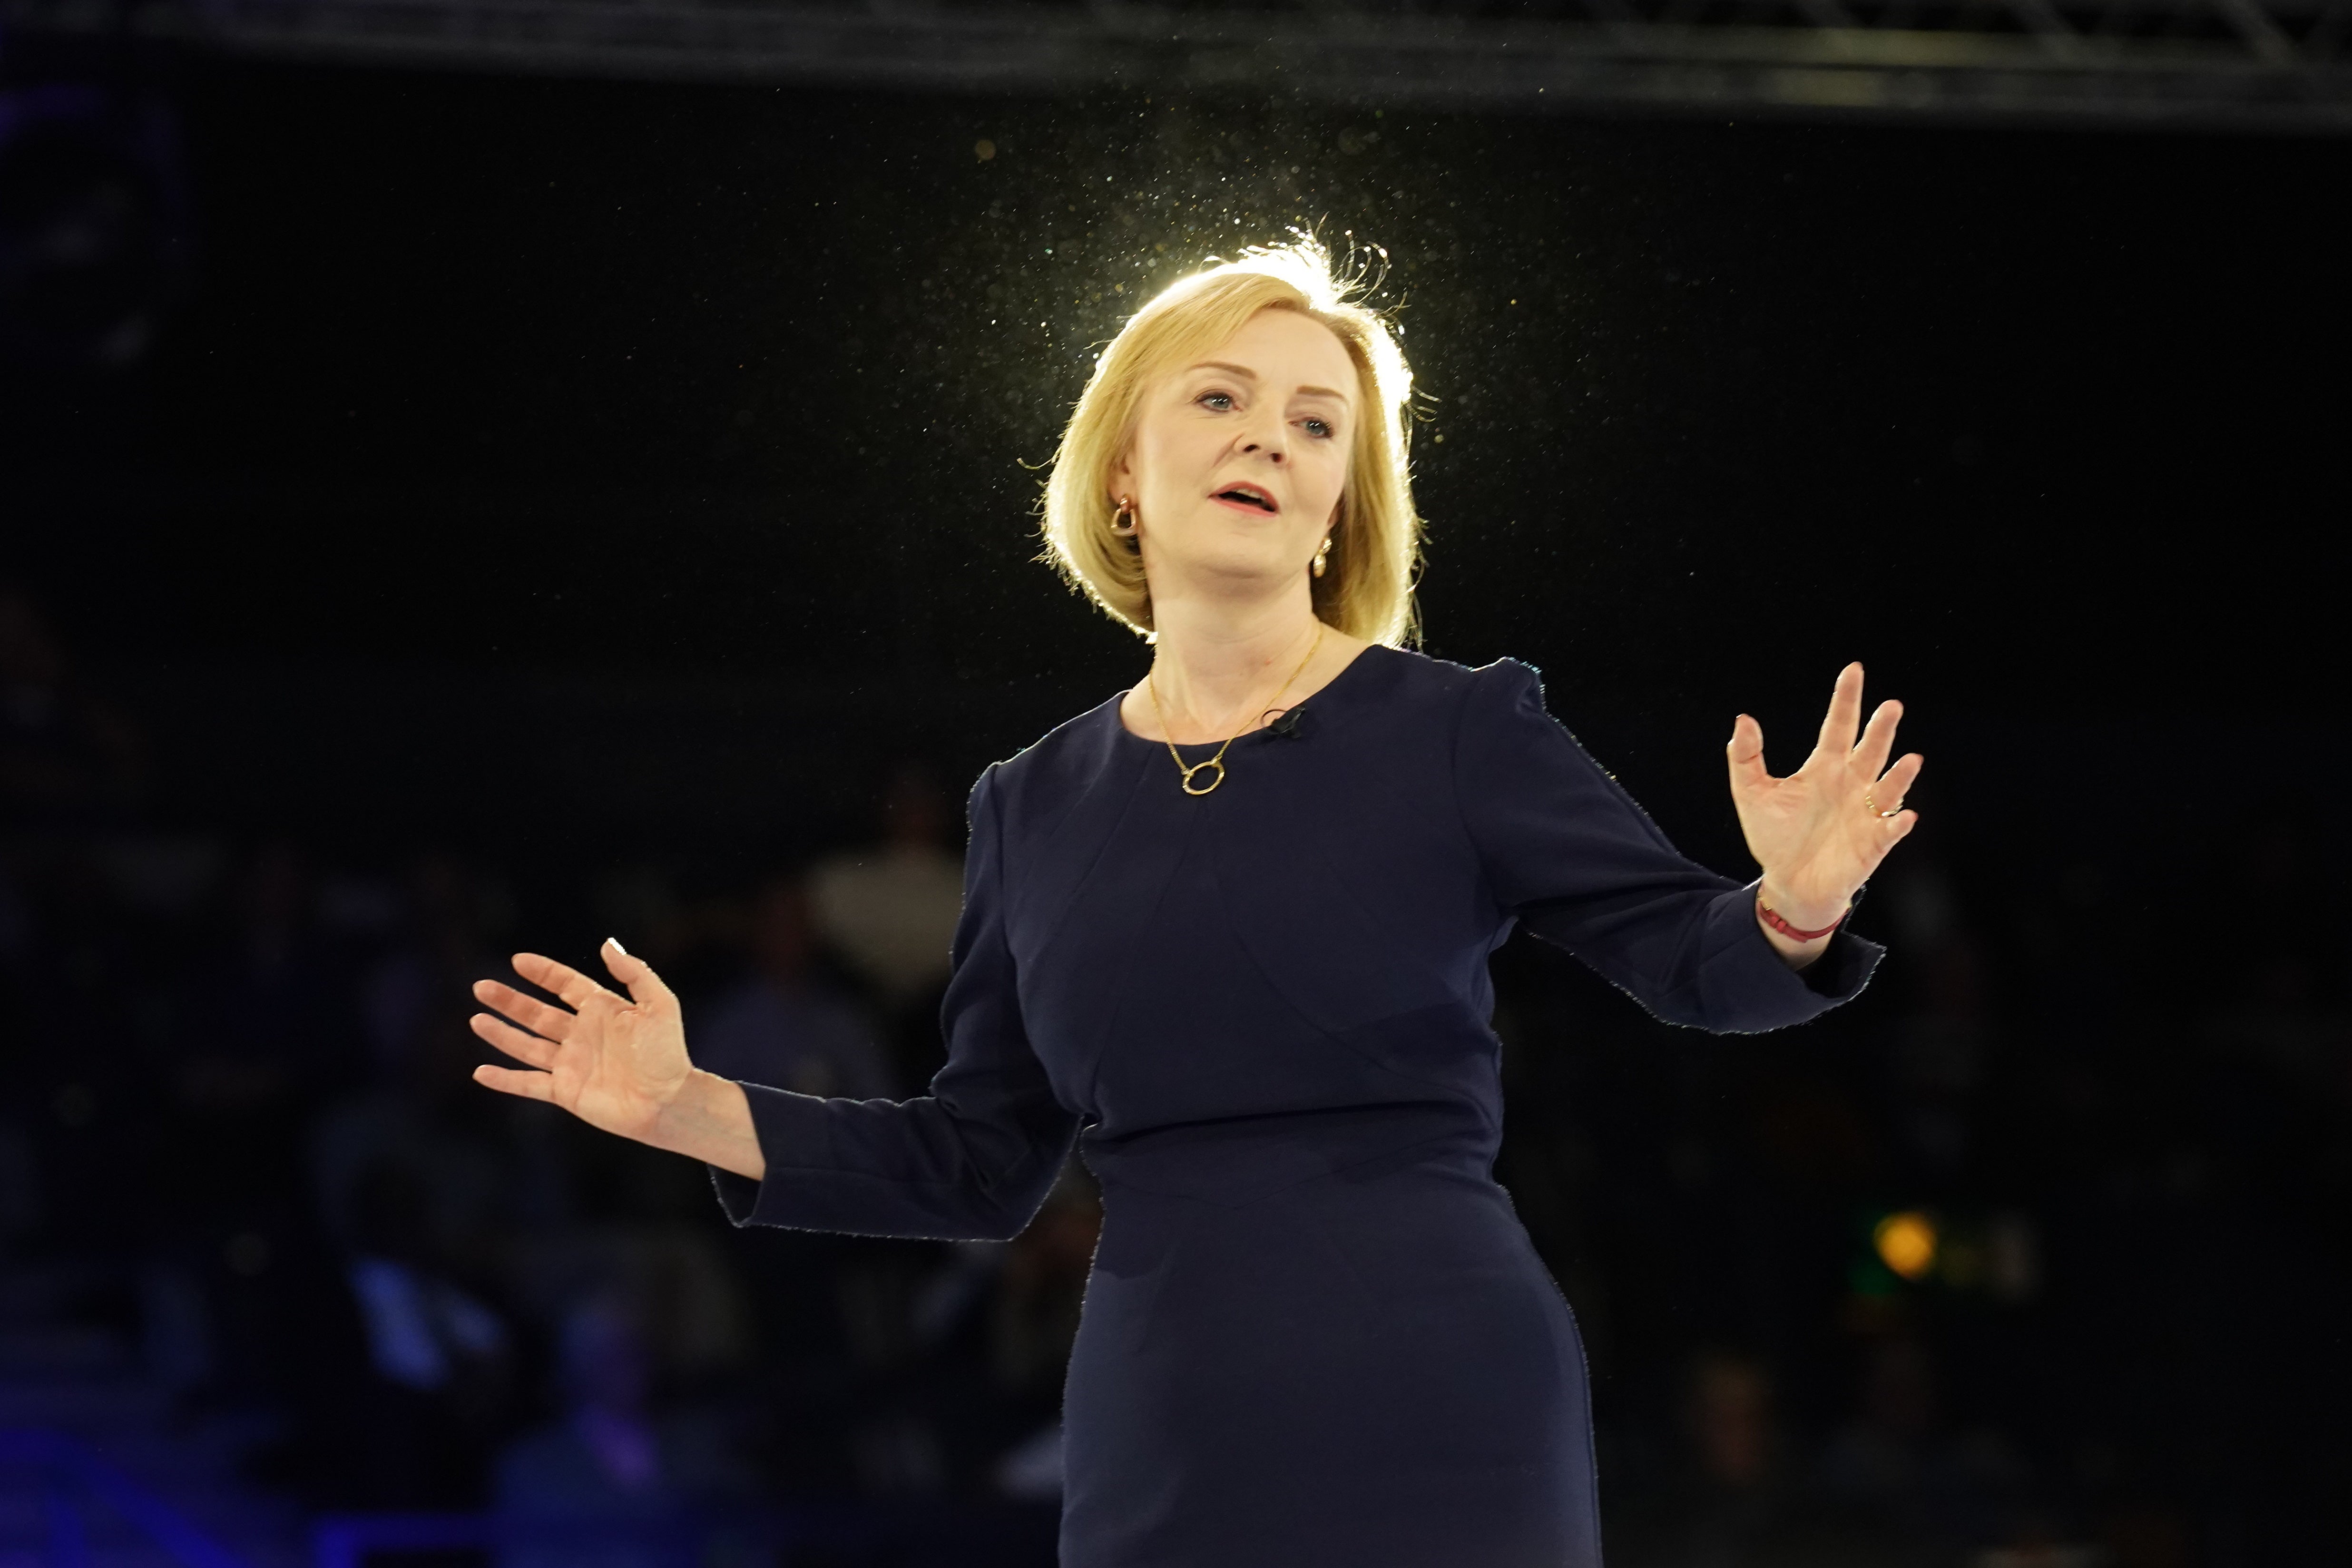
(2277,64)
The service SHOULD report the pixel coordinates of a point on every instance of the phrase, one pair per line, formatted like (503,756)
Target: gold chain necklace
(1152,688)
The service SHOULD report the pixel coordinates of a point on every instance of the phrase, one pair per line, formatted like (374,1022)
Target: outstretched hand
(1821,831)
(616,1062)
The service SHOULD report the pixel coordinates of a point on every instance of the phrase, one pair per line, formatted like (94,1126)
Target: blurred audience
(1892,1465)
(782,1025)
(67,758)
(617,1478)
(889,910)
(1728,1503)
(439,1359)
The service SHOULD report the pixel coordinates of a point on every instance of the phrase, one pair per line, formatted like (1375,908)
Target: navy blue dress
(1315,1334)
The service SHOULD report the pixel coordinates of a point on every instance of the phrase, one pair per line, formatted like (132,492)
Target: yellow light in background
(1906,1243)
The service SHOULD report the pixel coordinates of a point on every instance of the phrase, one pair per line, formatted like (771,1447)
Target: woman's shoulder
(1403,682)
(1410,670)
(1059,762)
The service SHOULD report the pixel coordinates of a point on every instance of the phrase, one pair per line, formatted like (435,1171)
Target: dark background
(591,486)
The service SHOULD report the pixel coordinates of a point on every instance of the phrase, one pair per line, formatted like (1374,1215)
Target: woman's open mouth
(1248,496)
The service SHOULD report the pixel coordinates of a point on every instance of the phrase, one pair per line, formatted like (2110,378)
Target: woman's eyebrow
(1248,374)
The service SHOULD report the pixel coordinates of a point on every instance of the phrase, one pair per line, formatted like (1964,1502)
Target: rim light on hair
(1366,589)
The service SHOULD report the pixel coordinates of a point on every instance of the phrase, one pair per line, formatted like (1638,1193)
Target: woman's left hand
(1821,831)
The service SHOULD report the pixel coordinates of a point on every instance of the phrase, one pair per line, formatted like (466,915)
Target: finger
(561,978)
(537,1086)
(1745,754)
(520,1044)
(1878,738)
(532,1013)
(633,973)
(1894,830)
(1897,782)
(1838,726)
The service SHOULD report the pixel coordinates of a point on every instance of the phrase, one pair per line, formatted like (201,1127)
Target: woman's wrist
(1796,915)
(709,1120)
(1796,943)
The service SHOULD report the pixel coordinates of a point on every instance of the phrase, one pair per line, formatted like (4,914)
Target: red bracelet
(1764,912)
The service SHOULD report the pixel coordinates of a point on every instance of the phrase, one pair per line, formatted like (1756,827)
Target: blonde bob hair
(1367,586)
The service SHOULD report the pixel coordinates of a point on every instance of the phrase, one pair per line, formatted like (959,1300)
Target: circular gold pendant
(1216,762)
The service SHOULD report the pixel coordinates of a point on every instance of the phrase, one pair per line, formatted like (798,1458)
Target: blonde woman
(1228,932)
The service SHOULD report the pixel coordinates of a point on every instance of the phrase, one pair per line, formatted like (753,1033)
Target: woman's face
(1237,462)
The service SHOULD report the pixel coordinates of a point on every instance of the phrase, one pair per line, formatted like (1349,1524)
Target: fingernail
(615,944)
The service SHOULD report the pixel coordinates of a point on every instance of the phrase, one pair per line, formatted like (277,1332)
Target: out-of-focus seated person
(890,909)
(612,1482)
(781,1026)
(65,758)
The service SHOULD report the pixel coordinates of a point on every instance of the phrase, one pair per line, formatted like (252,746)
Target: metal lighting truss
(2280,64)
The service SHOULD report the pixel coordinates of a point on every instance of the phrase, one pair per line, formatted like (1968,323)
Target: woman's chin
(1231,548)
(1224,574)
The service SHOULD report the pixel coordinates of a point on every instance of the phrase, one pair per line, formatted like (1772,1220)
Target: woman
(1229,931)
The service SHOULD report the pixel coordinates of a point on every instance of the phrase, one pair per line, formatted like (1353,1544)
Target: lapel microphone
(1287,725)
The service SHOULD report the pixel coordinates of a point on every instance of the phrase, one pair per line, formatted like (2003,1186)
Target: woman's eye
(1318,429)
(1220,401)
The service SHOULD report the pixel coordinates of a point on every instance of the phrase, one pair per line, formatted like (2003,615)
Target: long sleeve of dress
(970,1159)
(1566,850)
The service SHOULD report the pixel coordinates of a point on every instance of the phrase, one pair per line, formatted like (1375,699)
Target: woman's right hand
(617,1063)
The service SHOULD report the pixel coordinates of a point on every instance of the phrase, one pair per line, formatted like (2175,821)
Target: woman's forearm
(710,1120)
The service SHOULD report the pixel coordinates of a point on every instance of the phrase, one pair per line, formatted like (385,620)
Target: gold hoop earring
(1122,522)
(1322,556)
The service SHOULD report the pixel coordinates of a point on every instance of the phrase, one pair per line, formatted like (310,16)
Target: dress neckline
(1346,672)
